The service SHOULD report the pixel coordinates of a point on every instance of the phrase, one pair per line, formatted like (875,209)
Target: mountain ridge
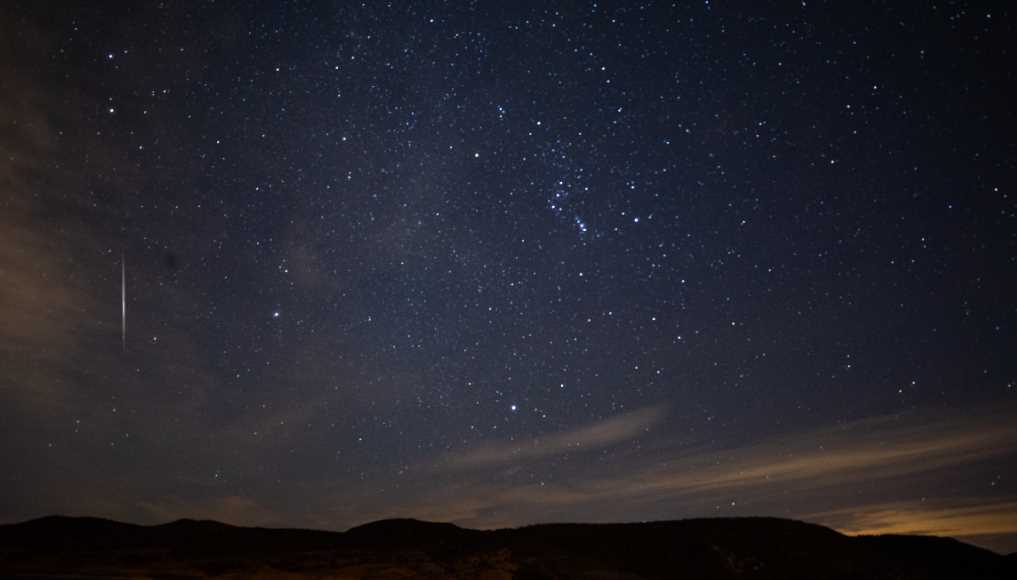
(720,548)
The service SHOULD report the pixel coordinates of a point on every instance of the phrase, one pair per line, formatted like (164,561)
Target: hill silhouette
(722,548)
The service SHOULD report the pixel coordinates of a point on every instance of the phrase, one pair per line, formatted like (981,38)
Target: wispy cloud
(819,475)
(864,451)
(961,518)
(47,302)
(595,436)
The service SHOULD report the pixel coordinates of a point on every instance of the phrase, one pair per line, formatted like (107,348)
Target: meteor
(123,303)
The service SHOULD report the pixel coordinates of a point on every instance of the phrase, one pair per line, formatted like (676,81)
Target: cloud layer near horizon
(851,467)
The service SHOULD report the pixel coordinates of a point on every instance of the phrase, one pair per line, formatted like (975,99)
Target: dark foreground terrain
(61,547)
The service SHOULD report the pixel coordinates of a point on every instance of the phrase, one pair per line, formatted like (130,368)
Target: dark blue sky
(501,265)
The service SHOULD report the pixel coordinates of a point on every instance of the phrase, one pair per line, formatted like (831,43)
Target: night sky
(505,263)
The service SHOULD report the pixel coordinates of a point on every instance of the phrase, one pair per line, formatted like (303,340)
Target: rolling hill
(723,548)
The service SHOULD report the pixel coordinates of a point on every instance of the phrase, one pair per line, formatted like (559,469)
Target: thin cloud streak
(961,518)
(687,483)
(598,435)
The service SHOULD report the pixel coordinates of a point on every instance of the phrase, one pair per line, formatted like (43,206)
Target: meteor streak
(123,303)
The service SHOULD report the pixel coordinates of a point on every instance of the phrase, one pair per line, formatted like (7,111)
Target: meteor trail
(123,304)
